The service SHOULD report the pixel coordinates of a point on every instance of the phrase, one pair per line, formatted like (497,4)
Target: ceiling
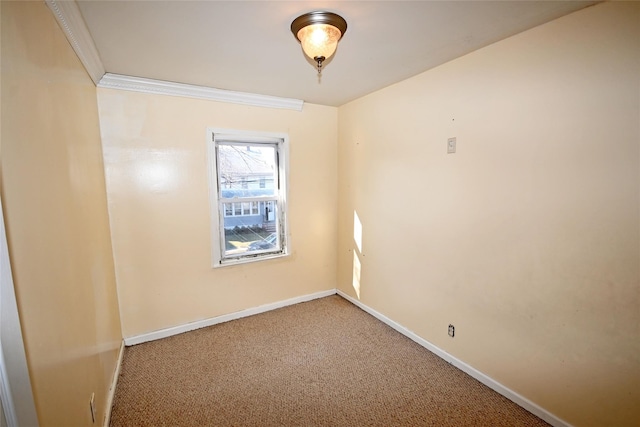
(247,46)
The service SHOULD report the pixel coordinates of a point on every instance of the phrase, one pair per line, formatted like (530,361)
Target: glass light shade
(319,40)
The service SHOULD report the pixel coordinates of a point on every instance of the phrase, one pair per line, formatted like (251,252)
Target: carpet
(319,363)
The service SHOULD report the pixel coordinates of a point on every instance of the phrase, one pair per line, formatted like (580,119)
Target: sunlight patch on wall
(357,231)
(356,274)
(357,266)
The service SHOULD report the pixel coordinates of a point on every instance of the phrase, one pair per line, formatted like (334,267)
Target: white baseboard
(484,379)
(112,389)
(164,333)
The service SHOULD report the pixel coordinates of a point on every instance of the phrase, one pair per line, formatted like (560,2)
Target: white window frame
(281,140)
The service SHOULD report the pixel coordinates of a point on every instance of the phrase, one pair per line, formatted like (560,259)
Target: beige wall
(156,166)
(53,192)
(527,239)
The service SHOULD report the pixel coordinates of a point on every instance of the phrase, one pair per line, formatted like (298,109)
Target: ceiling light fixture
(319,33)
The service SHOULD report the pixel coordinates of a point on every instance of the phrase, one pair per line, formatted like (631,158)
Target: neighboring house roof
(244,163)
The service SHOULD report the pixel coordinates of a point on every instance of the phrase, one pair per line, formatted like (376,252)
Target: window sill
(249,260)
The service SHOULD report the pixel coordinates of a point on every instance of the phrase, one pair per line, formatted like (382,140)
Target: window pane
(246,209)
(250,234)
(247,170)
(237,209)
(254,208)
(228,209)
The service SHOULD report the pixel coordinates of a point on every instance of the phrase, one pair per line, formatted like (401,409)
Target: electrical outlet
(92,407)
(452,331)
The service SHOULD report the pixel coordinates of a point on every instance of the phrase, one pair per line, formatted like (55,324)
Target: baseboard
(484,379)
(164,333)
(112,389)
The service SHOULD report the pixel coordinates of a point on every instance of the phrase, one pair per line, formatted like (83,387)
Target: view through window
(250,197)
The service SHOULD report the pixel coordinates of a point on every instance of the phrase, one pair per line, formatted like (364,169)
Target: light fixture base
(318,17)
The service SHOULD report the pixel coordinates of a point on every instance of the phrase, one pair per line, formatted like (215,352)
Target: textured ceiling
(247,46)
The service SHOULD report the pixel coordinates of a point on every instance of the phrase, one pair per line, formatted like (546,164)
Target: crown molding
(70,19)
(159,87)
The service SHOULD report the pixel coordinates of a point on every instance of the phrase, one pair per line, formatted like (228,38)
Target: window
(248,195)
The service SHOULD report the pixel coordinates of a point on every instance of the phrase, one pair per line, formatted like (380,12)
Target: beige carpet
(320,363)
